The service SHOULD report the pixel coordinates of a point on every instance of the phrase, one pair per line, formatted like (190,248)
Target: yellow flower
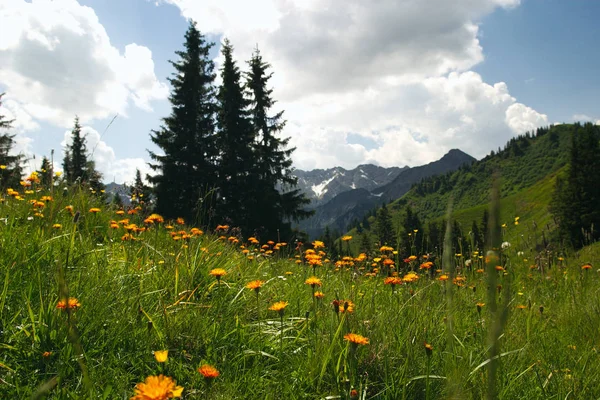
(57,226)
(279,306)
(313,281)
(356,339)
(95,210)
(161,355)
(157,388)
(319,295)
(318,244)
(218,272)
(346,238)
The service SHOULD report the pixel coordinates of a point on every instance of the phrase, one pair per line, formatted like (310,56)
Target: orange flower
(255,285)
(95,210)
(157,388)
(392,280)
(279,306)
(72,303)
(356,339)
(346,238)
(313,281)
(443,277)
(208,371)
(319,295)
(428,349)
(586,266)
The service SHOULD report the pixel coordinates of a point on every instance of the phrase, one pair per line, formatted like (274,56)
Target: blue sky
(387,82)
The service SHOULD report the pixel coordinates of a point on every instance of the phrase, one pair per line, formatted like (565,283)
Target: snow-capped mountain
(322,185)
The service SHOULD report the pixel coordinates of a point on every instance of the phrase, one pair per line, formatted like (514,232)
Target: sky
(387,82)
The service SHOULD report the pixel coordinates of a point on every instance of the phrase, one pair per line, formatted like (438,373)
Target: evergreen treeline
(576,200)
(10,165)
(524,161)
(222,160)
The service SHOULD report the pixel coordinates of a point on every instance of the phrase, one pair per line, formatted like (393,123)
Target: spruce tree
(75,161)
(384,228)
(275,185)
(46,172)
(139,192)
(10,165)
(235,140)
(575,200)
(184,174)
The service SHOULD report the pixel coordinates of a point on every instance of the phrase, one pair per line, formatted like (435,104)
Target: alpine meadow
(222,270)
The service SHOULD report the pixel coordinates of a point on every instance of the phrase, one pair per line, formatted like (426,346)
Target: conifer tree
(575,200)
(184,174)
(139,192)
(10,165)
(384,228)
(46,172)
(276,186)
(235,141)
(75,160)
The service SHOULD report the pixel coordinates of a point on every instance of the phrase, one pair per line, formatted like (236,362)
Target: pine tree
(384,228)
(10,165)
(575,200)
(46,172)
(235,140)
(185,171)
(75,160)
(276,186)
(140,192)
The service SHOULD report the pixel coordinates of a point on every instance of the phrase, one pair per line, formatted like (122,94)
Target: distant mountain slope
(527,167)
(321,185)
(339,212)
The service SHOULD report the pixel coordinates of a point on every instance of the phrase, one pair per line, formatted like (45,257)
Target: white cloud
(521,118)
(56,60)
(120,170)
(394,72)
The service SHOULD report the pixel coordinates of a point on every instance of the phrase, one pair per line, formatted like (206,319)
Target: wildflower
(313,281)
(157,388)
(345,306)
(279,307)
(499,268)
(208,371)
(94,210)
(57,226)
(180,221)
(161,355)
(521,307)
(317,244)
(392,280)
(443,277)
(479,307)
(428,349)
(356,339)
(346,238)
(72,303)
(255,285)
(218,273)
(46,354)
(319,295)
(586,266)
(69,209)
(154,218)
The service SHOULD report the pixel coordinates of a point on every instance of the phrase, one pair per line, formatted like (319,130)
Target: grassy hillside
(526,169)
(139,286)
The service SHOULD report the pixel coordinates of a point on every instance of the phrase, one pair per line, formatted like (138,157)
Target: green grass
(156,293)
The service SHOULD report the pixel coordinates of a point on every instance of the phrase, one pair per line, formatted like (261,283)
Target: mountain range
(342,196)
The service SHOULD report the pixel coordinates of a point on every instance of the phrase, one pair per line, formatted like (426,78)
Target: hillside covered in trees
(525,169)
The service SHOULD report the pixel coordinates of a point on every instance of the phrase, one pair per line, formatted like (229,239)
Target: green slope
(527,168)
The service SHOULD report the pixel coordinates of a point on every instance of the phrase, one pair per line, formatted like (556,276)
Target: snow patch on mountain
(321,188)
